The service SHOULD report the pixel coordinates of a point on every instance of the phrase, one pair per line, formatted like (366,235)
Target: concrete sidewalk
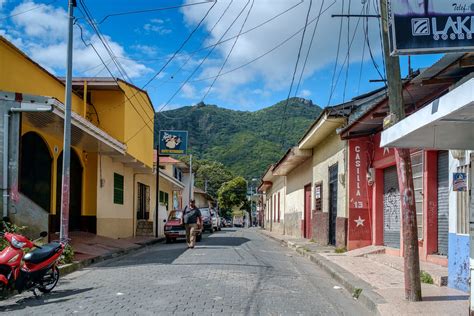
(377,285)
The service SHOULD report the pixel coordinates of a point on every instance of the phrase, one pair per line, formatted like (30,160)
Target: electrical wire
(26,11)
(153,10)
(309,47)
(203,41)
(348,52)
(295,70)
(196,69)
(337,55)
(230,51)
(90,20)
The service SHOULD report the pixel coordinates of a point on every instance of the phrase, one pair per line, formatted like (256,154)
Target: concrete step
(144,228)
(364,251)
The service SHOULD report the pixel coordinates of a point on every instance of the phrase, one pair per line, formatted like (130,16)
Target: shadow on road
(168,253)
(54,297)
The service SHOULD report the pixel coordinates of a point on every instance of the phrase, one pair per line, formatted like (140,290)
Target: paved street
(236,271)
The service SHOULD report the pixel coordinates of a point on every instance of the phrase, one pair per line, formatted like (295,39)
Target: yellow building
(112,177)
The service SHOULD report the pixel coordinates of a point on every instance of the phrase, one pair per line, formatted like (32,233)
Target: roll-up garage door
(443,203)
(391,208)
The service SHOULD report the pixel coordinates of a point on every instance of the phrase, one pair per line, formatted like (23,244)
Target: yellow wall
(110,110)
(326,154)
(20,74)
(89,174)
(139,120)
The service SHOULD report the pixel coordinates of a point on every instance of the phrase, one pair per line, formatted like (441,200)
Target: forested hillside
(236,138)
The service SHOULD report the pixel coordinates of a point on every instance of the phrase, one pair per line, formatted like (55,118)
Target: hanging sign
(459,181)
(173,142)
(430,26)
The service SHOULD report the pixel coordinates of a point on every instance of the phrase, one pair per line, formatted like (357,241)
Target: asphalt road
(233,272)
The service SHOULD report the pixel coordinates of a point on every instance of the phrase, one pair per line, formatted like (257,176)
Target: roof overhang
(292,159)
(264,186)
(84,134)
(175,183)
(323,127)
(446,123)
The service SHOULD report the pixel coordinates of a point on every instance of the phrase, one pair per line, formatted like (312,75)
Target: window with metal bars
(417,169)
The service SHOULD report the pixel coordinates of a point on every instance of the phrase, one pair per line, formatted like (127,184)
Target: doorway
(307,230)
(75,191)
(35,170)
(333,170)
(143,202)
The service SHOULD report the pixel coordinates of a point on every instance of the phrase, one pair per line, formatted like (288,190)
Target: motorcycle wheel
(49,281)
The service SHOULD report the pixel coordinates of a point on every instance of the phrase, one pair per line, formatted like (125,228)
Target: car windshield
(205,212)
(174,215)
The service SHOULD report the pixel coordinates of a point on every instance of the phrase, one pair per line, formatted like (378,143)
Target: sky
(173,54)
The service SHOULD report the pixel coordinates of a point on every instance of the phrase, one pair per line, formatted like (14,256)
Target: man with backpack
(192,222)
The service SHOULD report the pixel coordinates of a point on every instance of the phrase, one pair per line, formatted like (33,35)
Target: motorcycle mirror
(164,221)
(43,234)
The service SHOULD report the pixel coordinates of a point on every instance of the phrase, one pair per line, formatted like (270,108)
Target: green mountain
(245,142)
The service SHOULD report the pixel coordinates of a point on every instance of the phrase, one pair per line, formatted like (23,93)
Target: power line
(205,58)
(26,11)
(309,47)
(337,55)
(230,51)
(90,20)
(203,41)
(153,10)
(296,68)
(348,52)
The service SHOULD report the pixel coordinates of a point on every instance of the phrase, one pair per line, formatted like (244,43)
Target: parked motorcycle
(37,269)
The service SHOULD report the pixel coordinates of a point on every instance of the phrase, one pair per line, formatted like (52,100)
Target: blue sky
(144,42)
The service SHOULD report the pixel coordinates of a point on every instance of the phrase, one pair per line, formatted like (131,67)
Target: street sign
(459,181)
(430,26)
(173,142)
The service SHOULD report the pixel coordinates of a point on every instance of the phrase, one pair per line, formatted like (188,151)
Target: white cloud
(42,34)
(305,93)
(188,91)
(274,71)
(157,26)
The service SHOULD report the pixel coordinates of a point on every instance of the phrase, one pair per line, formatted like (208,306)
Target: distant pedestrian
(193,222)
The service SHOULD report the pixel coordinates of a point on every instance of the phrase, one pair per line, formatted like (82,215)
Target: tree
(231,194)
(214,173)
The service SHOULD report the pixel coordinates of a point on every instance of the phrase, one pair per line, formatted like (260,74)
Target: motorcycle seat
(40,254)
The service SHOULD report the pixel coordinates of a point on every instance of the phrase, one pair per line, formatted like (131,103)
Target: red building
(373,192)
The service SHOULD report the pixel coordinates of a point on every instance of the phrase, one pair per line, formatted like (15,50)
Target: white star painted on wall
(359,221)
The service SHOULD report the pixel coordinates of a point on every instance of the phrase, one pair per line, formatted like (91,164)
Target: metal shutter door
(443,202)
(391,208)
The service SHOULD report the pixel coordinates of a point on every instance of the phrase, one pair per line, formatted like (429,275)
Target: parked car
(174,227)
(216,220)
(207,220)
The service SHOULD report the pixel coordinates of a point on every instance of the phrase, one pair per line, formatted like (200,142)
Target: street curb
(367,297)
(77,265)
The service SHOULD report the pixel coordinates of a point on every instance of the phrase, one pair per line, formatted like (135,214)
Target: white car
(216,220)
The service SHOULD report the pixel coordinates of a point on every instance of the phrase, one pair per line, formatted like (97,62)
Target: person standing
(192,222)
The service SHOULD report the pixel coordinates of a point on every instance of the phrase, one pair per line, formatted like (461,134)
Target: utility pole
(190,194)
(404,170)
(65,187)
(157,188)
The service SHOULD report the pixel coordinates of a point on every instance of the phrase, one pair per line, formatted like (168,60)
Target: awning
(84,134)
(175,183)
(447,123)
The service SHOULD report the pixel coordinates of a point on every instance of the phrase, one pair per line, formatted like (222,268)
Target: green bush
(340,250)
(425,277)
(68,255)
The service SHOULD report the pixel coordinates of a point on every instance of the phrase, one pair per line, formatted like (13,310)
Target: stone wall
(321,227)
(26,213)
(293,224)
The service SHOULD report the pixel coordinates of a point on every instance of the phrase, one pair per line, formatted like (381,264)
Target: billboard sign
(459,181)
(430,26)
(173,143)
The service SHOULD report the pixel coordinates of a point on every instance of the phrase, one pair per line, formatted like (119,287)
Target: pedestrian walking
(193,222)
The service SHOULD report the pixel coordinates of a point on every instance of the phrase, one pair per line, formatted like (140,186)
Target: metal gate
(332,203)
(443,202)
(391,208)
